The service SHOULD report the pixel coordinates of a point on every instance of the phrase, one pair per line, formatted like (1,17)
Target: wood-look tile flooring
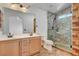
(54,52)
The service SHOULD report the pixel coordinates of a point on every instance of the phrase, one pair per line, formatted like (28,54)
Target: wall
(51,32)
(41,20)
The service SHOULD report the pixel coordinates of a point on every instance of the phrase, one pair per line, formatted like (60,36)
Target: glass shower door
(63,35)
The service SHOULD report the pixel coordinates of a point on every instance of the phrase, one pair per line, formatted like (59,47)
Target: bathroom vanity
(20,45)
(15,39)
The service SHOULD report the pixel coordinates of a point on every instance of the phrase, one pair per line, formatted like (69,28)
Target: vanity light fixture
(19,7)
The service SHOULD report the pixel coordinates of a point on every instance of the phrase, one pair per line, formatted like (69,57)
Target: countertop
(3,38)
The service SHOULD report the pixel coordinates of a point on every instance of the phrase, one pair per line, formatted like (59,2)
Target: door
(63,35)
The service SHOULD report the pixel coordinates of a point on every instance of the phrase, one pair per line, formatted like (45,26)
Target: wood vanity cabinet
(20,47)
(9,48)
(30,46)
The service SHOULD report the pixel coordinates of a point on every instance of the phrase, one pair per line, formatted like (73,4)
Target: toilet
(48,45)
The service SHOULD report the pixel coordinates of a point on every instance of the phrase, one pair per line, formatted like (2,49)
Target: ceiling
(51,7)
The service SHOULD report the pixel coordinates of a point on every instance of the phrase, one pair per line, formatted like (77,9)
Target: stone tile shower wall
(51,32)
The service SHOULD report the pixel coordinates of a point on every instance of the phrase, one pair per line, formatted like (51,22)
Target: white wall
(41,19)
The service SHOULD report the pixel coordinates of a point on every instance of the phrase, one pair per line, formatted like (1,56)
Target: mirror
(15,25)
(16,22)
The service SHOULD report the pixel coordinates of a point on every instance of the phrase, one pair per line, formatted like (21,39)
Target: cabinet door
(35,45)
(25,47)
(9,48)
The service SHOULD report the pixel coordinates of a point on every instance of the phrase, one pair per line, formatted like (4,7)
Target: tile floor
(55,52)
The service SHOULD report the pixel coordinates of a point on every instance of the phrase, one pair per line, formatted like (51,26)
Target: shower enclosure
(59,29)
